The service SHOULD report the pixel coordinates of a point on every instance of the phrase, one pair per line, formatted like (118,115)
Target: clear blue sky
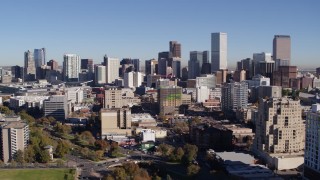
(142,28)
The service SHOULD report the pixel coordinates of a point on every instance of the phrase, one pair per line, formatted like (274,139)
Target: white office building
(100,74)
(112,68)
(133,79)
(71,67)
(218,51)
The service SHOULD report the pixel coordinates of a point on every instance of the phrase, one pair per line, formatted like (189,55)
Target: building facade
(280,133)
(115,122)
(218,51)
(71,67)
(311,156)
(57,107)
(112,68)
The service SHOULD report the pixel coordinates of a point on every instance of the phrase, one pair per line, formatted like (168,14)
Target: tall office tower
(56,106)
(165,55)
(262,63)
(169,100)
(284,76)
(112,68)
(100,75)
(115,122)
(280,133)
(29,66)
(282,48)
(39,57)
(194,64)
(176,67)
(248,66)
(71,67)
(185,73)
(218,51)
(151,66)
(136,64)
(53,64)
(175,49)
(234,96)
(162,67)
(133,79)
(86,64)
(312,147)
(113,98)
(17,71)
(205,66)
(14,136)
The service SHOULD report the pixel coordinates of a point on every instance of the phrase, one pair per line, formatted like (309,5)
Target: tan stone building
(115,122)
(280,133)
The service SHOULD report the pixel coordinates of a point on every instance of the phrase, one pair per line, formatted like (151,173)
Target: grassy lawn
(31,174)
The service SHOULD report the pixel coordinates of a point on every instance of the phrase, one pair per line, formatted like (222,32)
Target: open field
(31,174)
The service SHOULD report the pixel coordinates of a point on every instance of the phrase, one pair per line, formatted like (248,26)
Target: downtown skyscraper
(218,51)
(281,50)
(71,67)
(112,68)
(29,66)
(39,57)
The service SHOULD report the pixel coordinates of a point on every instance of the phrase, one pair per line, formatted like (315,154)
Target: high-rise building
(312,147)
(39,57)
(218,51)
(175,49)
(71,67)
(209,81)
(234,96)
(282,47)
(136,64)
(113,98)
(151,66)
(14,136)
(176,67)
(29,66)
(115,123)
(56,106)
(284,76)
(112,68)
(169,100)
(53,64)
(280,133)
(133,79)
(162,67)
(17,71)
(100,75)
(195,63)
(86,64)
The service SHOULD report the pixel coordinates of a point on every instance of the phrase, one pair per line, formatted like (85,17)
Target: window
(286,121)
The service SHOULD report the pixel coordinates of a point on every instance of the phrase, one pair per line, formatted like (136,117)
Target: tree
(142,174)
(193,170)
(190,152)
(179,153)
(44,156)
(2,164)
(99,154)
(101,144)
(62,148)
(119,174)
(131,169)
(114,149)
(165,149)
(5,110)
(108,177)
(87,137)
(19,157)
(25,116)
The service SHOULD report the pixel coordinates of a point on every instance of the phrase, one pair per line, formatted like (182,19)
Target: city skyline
(136,30)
